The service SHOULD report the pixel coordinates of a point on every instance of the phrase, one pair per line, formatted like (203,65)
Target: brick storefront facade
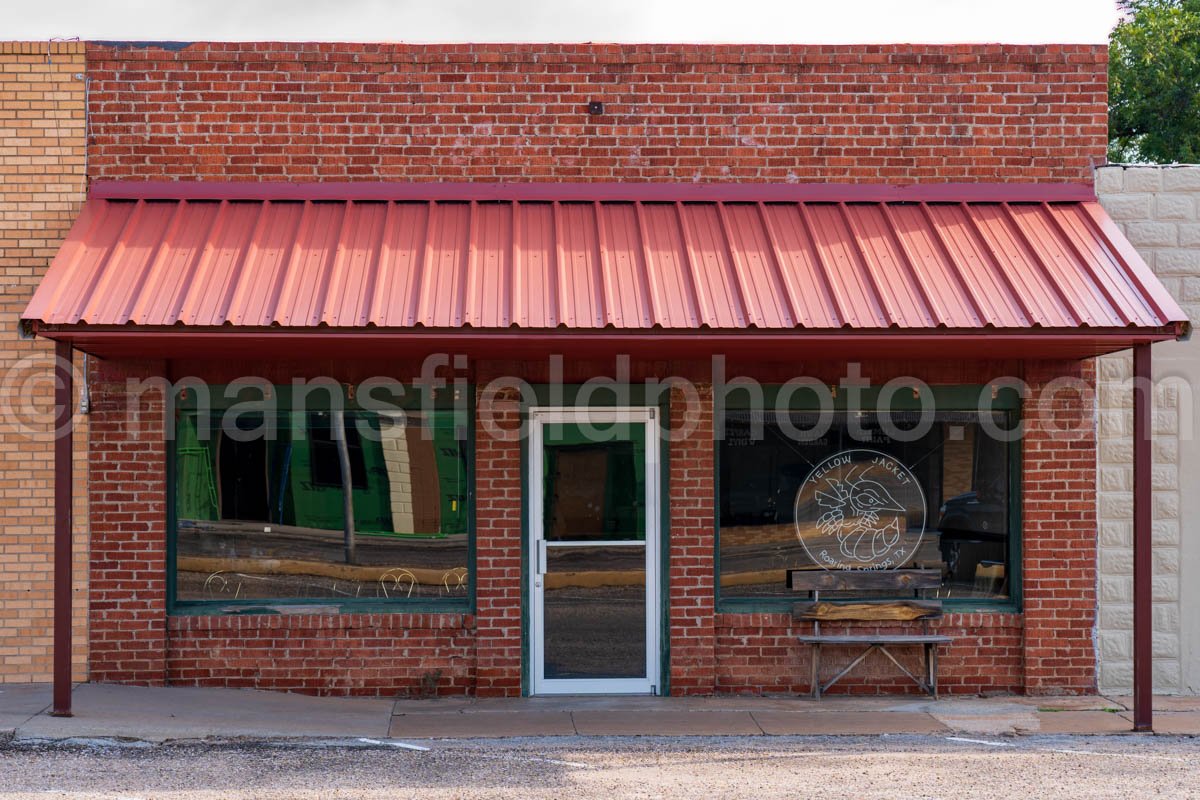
(900,114)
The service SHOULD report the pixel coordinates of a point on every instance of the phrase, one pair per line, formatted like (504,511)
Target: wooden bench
(895,582)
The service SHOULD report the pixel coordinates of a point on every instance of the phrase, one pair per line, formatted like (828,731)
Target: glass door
(593,511)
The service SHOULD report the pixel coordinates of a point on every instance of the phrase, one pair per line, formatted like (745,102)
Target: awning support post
(1143,621)
(64,406)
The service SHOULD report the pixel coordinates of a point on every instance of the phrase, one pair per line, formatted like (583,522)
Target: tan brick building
(42,183)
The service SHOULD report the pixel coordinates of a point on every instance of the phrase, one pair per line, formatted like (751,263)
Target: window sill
(307,607)
(784,606)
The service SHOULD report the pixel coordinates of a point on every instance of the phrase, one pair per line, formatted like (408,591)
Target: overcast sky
(795,21)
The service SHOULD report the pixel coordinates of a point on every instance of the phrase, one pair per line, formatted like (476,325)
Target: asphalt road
(812,767)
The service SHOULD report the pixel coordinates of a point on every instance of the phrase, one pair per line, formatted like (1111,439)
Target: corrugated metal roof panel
(621,264)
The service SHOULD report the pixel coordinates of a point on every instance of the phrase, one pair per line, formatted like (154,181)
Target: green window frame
(946,398)
(459,398)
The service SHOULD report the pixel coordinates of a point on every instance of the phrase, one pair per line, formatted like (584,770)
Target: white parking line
(401,745)
(564,763)
(539,759)
(979,741)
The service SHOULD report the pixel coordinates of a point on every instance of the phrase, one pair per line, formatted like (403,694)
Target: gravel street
(1056,767)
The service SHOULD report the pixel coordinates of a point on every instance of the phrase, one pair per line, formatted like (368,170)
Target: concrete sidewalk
(159,714)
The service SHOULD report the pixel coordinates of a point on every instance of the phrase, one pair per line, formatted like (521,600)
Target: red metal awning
(160,268)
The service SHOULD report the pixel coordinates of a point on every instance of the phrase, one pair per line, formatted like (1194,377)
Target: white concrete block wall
(1157,207)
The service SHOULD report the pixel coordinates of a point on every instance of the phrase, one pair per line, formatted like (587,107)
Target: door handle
(541,557)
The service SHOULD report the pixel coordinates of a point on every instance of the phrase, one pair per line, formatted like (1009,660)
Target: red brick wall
(245,111)
(127,504)
(1059,518)
(692,567)
(350,654)
(498,532)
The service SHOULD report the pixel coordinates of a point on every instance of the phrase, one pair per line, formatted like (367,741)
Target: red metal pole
(1143,654)
(64,405)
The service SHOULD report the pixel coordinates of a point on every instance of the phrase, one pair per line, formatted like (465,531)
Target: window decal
(860,509)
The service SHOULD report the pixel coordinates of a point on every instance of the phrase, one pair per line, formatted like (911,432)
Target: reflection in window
(325,457)
(773,518)
(594,489)
(260,507)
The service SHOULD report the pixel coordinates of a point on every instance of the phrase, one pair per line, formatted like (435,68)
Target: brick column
(127,499)
(1059,536)
(498,549)
(692,531)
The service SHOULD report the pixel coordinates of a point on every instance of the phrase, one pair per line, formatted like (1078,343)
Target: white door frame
(539,684)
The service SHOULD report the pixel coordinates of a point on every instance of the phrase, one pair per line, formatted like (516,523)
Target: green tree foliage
(1154,82)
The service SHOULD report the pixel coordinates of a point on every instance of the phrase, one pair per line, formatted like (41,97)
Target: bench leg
(816,672)
(932,659)
(930,678)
